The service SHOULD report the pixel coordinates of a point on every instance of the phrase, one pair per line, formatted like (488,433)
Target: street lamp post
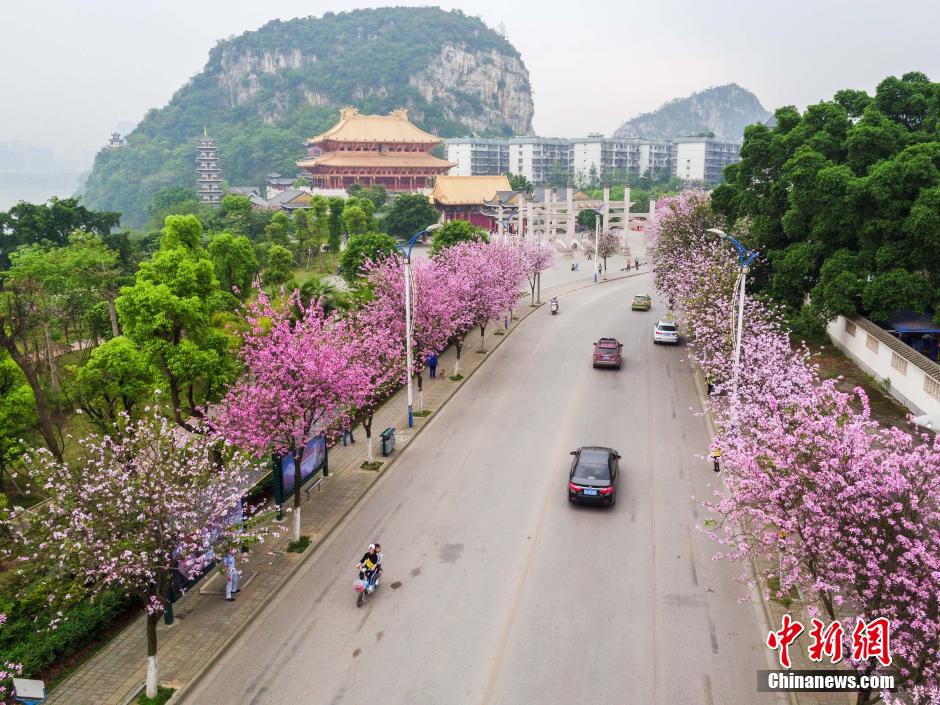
(745,258)
(597,240)
(409,358)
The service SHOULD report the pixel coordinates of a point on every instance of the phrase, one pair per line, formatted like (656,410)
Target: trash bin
(388,441)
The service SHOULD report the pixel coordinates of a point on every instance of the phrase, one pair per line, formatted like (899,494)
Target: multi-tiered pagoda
(208,173)
(373,150)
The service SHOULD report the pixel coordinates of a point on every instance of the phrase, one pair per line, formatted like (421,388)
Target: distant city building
(477,157)
(116,140)
(208,172)
(702,158)
(373,150)
(548,160)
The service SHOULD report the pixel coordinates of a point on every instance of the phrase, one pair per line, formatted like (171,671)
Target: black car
(593,476)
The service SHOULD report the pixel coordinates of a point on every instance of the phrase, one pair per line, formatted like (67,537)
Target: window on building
(871,342)
(932,387)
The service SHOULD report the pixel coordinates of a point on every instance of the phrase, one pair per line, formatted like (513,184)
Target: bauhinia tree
(433,309)
(301,375)
(535,257)
(607,246)
(137,506)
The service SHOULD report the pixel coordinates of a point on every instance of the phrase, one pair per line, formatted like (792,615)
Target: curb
(181,692)
(791,696)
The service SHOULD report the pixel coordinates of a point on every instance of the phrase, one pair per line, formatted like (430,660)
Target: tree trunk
(367,427)
(298,457)
(420,391)
(50,358)
(112,314)
(43,413)
(458,345)
(482,333)
(532,287)
(152,655)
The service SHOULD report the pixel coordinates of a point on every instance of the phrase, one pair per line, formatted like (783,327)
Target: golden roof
(392,128)
(453,190)
(376,159)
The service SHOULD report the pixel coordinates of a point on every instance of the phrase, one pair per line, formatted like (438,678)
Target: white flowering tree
(138,505)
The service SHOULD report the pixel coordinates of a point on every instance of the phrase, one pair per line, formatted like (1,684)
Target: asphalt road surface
(496,591)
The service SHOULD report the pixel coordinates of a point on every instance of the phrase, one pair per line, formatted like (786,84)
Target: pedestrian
(432,365)
(231,575)
(347,433)
(710,382)
(636,263)
(628,265)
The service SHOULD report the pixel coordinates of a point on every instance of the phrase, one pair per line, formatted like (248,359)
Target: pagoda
(373,150)
(208,173)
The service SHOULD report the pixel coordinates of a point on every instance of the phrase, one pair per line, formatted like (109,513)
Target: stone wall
(914,379)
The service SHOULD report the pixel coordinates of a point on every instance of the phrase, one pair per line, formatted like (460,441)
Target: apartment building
(552,160)
(477,157)
(702,159)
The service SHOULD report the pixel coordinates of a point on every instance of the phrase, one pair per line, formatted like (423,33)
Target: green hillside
(263,93)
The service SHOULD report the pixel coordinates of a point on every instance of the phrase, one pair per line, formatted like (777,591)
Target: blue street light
(409,364)
(745,258)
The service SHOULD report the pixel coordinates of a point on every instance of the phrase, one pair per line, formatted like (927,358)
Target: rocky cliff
(723,110)
(263,93)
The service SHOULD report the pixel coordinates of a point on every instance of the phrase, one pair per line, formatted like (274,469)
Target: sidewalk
(205,624)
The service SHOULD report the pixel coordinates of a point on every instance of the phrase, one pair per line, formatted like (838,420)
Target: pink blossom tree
(381,357)
(301,375)
(435,308)
(136,507)
(820,496)
(535,257)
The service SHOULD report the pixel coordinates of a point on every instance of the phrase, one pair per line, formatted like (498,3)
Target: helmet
(371,546)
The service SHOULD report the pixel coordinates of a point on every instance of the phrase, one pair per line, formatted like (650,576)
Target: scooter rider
(367,564)
(554,302)
(378,561)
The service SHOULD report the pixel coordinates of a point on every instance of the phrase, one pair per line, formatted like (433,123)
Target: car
(666,331)
(607,353)
(641,302)
(593,476)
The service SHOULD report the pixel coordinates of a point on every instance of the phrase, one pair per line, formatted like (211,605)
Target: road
(497,591)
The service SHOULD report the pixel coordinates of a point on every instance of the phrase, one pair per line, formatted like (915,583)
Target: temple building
(208,172)
(480,200)
(373,150)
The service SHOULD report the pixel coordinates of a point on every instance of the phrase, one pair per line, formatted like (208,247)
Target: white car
(666,332)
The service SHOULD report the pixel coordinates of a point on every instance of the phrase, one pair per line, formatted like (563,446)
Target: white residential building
(477,156)
(540,159)
(702,158)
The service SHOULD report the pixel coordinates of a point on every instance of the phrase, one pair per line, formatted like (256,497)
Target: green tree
(410,213)
(171,313)
(235,263)
(335,237)
(17,414)
(279,269)
(118,378)
(518,182)
(235,214)
(278,230)
(455,231)
(173,200)
(49,223)
(319,218)
(363,248)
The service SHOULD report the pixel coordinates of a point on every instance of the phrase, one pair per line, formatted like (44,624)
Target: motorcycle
(554,307)
(364,586)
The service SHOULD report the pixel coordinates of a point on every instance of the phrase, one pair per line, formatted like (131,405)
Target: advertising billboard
(314,459)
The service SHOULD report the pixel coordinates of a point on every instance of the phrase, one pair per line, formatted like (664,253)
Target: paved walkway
(204,622)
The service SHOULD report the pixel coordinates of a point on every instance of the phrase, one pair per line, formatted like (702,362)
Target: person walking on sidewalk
(231,575)
(347,433)
(636,263)
(432,365)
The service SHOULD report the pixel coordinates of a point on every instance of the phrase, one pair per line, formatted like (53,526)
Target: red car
(607,353)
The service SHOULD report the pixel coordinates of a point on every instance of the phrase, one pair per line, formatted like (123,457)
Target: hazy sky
(73,69)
